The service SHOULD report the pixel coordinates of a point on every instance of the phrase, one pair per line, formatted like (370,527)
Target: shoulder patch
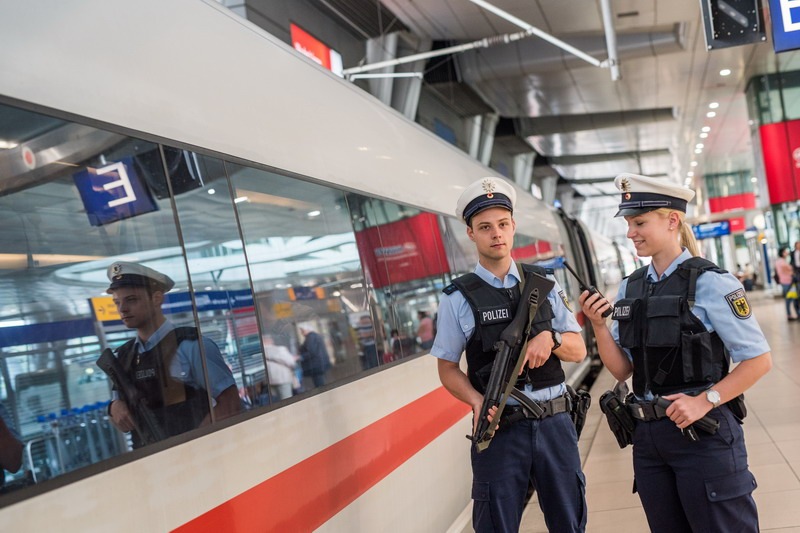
(737,300)
(564,299)
(450,289)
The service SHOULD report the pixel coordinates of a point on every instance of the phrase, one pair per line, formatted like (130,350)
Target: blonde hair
(687,235)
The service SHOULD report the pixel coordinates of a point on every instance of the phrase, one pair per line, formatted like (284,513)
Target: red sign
(737,225)
(780,145)
(315,50)
(400,251)
(745,200)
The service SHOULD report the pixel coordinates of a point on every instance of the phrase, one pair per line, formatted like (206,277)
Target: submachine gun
(509,357)
(144,421)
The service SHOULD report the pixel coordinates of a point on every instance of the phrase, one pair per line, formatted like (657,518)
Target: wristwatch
(556,340)
(713,397)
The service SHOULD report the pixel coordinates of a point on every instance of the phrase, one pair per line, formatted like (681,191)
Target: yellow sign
(104,309)
(282,310)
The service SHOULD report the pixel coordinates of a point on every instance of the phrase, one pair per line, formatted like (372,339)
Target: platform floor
(772,433)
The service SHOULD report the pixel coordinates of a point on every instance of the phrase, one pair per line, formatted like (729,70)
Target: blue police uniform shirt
(187,367)
(456,324)
(742,336)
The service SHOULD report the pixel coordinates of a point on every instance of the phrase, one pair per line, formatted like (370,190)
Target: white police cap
(641,194)
(125,274)
(483,194)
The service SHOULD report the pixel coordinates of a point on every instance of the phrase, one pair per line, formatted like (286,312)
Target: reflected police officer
(164,362)
(542,451)
(675,326)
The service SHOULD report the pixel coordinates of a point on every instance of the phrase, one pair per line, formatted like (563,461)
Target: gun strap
(531,310)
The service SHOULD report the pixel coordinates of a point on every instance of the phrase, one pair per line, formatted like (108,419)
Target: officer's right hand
(593,306)
(121,416)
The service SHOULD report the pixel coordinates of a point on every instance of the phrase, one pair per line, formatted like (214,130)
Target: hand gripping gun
(144,421)
(584,287)
(509,357)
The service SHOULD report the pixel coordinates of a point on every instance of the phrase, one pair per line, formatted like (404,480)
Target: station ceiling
(588,127)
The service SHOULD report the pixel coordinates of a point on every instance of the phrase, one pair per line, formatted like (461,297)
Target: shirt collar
(155,338)
(509,280)
(651,271)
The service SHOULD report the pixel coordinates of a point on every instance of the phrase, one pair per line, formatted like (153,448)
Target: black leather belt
(646,411)
(515,413)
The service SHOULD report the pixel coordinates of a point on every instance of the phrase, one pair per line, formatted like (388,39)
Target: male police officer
(472,314)
(164,362)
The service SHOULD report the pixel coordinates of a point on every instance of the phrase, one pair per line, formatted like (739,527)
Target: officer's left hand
(685,409)
(538,351)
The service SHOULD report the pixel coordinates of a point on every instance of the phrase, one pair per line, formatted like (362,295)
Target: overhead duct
(533,56)
(601,158)
(550,125)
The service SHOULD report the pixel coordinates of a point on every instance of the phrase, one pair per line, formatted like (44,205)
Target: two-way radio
(584,287)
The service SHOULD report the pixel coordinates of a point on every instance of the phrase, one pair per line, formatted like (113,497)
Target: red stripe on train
(309,493)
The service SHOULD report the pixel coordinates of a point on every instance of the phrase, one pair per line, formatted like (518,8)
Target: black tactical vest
(671,348)
(178,407)
(493,310)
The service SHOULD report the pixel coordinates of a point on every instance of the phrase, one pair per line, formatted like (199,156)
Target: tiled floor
(772,431)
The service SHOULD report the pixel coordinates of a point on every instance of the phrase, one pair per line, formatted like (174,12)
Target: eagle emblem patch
(737,300)
(565,300)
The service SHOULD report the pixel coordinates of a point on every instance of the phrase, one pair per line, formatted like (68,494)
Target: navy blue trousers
(695,487)
(542,451)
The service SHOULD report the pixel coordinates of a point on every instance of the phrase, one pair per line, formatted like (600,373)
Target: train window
(73,200)
(308,286)
(404,256)
(220,285)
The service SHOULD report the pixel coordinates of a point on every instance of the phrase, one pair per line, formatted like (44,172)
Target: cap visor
(634,212)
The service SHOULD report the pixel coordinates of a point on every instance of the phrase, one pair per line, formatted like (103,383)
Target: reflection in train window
(309,288)
(74,200)
(406,266)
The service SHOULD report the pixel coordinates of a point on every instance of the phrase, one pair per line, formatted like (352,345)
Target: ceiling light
(754,179)
(711,114)
(690,174)
(693,163)
(713,105)
(699,146)
(212,191)
(703,135)
(240,199)
(725,72)
(698,151)
(314,213)
(705,128)
(7,145)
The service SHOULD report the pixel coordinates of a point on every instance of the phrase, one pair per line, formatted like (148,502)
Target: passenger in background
(676,325)
(786,278)
(280,369)
(425,330)
(794,260)
(366,338)
(314,356)
(10,445)
(164,362)
(473,312)
(749,277)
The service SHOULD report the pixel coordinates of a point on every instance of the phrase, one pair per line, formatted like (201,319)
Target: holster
(618,417)
(579,405)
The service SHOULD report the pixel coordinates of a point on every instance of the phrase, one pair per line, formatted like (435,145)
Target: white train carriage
(276,195)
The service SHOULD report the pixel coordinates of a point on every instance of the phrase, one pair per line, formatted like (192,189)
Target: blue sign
(113,192)
(712,229)
(785,15)
(181,302)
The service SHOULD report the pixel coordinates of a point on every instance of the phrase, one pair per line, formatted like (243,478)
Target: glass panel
(74,200)
(406,265)
(307,279)
(220,281)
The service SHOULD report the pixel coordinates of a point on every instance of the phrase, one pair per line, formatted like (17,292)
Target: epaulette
(450,289)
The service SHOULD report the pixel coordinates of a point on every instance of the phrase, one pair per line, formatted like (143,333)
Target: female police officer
(676,324)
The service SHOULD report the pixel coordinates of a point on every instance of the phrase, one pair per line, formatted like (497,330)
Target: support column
(523,169)
(490,121)
(401,94)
